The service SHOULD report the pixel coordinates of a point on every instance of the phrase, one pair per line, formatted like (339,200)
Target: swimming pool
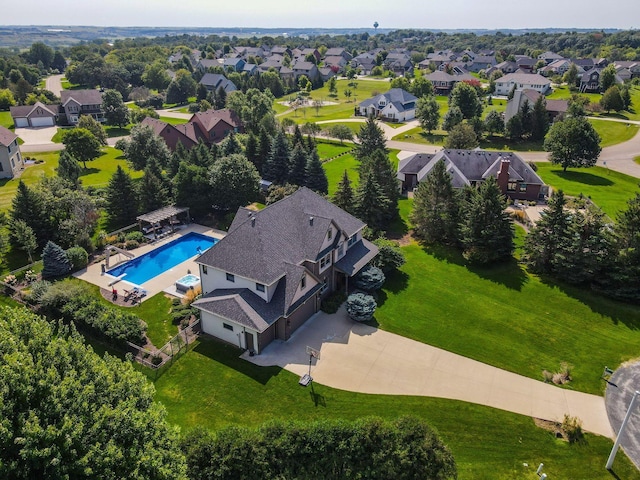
(151,264)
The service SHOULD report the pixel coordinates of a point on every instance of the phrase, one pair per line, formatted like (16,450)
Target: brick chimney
(503,174)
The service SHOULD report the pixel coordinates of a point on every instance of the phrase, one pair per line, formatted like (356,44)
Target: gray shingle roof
(216,80)
(357,257)
(7,137)
(287,232)
(83,97)
(414,163)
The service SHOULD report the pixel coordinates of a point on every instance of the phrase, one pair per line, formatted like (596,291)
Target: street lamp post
(616,445)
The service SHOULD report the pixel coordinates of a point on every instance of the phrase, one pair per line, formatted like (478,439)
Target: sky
(426,14)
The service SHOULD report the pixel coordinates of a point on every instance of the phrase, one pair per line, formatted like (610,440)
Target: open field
(211,387)
(608,189)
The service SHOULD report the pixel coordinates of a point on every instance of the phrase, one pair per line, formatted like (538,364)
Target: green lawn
(633,114)
(353,126)
(344,107)
(211,387)
(609,190)
(173,121)
(613,133)
(98,172)
(328,150)
(6,121)
(507,318)
(335,169)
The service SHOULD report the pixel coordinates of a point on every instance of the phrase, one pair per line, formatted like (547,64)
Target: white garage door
(21,122)
(42,122)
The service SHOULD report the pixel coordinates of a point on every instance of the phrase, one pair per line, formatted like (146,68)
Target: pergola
(156,217)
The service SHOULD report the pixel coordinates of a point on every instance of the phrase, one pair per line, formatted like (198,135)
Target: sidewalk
(364,359)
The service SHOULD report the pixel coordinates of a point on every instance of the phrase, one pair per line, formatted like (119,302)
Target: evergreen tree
(277,166)
(69,168)
(29,205)
(343,197)
(264,150)
(493,123)
(371,138)
(192,189)
(298,139)
(230,146)
(220,100)
(153,194)
(251,150)
(115,111)
(121,199)
(612,99)
(549,237)
(315,176)
(298,165)
(539,119)
(311,144)
(370,202)
(180,154)
(487,231)
(384,172)
(436,208)
(54,261)
(452,118)
(625,277)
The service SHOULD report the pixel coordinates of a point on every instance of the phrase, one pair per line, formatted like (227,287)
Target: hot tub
(187,283)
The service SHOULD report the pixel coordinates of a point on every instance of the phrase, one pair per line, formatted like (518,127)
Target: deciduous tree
(115,111)
(465,97)
(89,123)
(428,112)
(81,145)
(462,136)
(573,142)
(235,181)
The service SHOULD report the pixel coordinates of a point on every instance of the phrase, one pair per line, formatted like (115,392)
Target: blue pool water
(155,262)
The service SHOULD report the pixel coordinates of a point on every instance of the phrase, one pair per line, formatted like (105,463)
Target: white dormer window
(329,234)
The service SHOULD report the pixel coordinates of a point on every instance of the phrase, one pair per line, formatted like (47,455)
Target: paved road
(618,396)
(54,84)
(360,358)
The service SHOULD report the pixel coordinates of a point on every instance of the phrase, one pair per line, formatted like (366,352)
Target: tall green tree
(74,414)
(370,202)
(370,139)
(82,145)
(115,111)
(181,87)
(612,100)
(297,165)
(276,168)
(68,168)
(436,208)
(383,170)
(230,146)
(571,76)
(315,177)
(465,97)
(343,197)
(607,77)
(573,142)
(152,193)
(155,76)
(121,199)
(539,119)
(192,189)
(452,118)
(235,181)
(91,124)
(487,231)
(493,123)
(55,262)
(428,113)
(625,276)
(29,205)
(143,144)
(24,238)
(462,136)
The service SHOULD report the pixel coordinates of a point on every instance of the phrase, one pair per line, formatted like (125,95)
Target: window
(351,240)
(204,269)
(226,326)
(324,285)
(13,163)
(511,186)
(341,250)
(329,234)
(260,287)
(523,187)
(325,261)
(303,282)
(231,277)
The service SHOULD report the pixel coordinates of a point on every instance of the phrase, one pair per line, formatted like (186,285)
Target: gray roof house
(444,82)
(213,81)
(11,161)
(396,105)
(36,115)
(75,103)
(267,276)
(553,107)
(469,168)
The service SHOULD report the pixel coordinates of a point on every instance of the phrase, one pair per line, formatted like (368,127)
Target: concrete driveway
(360,358)
(38,139)
(53,83)
(622,384)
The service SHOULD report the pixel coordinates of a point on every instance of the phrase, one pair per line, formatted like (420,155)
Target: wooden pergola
(163,214)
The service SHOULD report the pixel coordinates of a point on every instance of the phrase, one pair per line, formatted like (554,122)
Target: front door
(248,341)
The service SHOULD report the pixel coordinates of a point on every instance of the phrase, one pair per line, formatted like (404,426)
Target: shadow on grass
(583,177)
(619,312)
(229,356)
(89,171)
(620,116)
(117,132)
(397,229)
(508,273)
(432,138)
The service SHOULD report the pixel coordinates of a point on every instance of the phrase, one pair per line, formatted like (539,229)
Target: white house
(395,105)
(523,81)
(10,158)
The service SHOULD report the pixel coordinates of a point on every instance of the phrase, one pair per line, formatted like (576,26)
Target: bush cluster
(361,306)
(332,303)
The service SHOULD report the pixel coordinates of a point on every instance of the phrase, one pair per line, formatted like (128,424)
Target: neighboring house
(235,64)
(633,67)
(213,81)
(282,51)
(305,68)
(590,81)
(507,67)
(532,81)
(396,105)
(526,64)
(336,61)
(171,134)
(557,67)
(470,168)
(553,107)
(584,64)
(548,57)
(481,62)
(364,64)
(444,82)
(205,64)
(36,115)
(250,68)
(216,124)
(10,158)
(302,54)
(267,276)
(398,63)
(326,73)
(80,102)
(338,52)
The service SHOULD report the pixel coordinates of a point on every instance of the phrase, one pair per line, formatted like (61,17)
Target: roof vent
(253,221)
(311,221)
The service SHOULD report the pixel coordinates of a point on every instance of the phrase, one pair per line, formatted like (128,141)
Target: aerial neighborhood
(381,254)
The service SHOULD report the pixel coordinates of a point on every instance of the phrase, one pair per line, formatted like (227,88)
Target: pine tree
(343,197)
(28,204)
(153,194)
(436,208)
(264,149)
(69,168)
(298,139)
(384,172)
(370,138)
(625,277)
(192,189)
(251,150)
(54,260)
(220,101)
(311,144)
(277,166)
(370,202)
(487,231)
(297,166)
(121,199)
(179,155)
(230,146)
(539,119)
(315,176)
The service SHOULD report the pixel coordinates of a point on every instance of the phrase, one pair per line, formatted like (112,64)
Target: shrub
(390,257)
(572,428)
(131,244)
(122,144)
(78,258)
(194,107)
(332,303)
(369,279)
(10,280)
(361,307)
(191,295)
(136,235)
(84,241)
(55,261)
(37,290)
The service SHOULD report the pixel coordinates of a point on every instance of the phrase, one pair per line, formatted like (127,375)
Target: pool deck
(163,282)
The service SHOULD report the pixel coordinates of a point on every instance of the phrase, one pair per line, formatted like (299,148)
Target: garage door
(21,122)
(42,122)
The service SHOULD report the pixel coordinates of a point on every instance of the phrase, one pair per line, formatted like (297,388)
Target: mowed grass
(6,121)
(608,189)
(632,114)
(211,387)
(97,174)
(506,317)
(335,169)
(329,150)
(344,107)
(173,121)
(613,133)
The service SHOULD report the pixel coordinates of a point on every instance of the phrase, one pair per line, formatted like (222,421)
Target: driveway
(364,359)
(54,84)
(622,384)
(38,139)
